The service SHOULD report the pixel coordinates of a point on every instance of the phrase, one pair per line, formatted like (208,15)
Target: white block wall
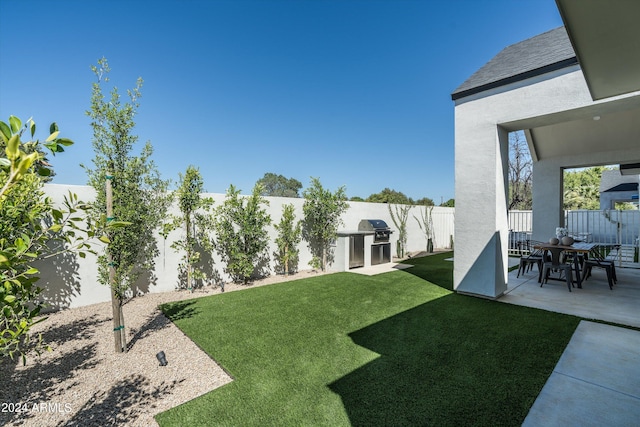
(70,281)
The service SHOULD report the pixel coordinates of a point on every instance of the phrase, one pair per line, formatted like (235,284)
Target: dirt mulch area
(84,382)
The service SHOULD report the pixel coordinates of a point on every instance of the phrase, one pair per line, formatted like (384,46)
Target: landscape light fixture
(162,358)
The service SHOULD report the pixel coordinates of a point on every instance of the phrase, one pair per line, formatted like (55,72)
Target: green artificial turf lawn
(346,349)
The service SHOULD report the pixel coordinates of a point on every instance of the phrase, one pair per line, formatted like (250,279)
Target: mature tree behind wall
(322,211)
(139,194)
(279,186)
(390,196)
(520,172)
(582,188)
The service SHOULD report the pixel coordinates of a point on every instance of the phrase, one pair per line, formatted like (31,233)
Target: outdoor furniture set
(574,262)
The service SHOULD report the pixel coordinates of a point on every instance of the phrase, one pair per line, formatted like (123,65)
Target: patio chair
(595,260)
(527,262)
(549,266)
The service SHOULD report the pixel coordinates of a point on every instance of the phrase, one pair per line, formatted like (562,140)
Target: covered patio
(575,92)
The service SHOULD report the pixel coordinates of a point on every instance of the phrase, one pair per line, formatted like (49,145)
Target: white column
(481,223)
(548,212)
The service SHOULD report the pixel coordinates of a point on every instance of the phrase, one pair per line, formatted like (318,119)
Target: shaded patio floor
(594,301)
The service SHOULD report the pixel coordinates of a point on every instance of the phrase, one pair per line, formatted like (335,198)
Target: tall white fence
(606,227)
(71,281)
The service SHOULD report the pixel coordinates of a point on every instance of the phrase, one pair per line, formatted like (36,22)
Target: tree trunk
(187,224)
(324,259)
(116,303)
(286,260)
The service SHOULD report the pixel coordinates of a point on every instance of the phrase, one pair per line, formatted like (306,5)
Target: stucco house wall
(482,123)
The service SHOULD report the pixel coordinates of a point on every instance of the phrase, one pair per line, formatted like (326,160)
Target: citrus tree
(31,229)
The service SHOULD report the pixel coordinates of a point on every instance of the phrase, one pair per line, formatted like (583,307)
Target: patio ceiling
(603,127)
(606,38)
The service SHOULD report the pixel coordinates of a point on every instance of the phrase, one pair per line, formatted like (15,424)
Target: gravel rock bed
(83,382)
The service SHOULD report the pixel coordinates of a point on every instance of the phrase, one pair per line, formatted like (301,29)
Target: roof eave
(516,78)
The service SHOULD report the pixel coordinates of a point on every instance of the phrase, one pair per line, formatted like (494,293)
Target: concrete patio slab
(594,301)
(596,381)
(380,268)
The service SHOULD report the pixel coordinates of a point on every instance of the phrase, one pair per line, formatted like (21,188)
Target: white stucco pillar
(481,224)
(548,212)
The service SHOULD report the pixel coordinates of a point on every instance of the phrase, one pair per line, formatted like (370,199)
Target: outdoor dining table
(557,250)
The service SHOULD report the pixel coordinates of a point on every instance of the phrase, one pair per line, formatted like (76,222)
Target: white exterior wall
(480,265)
(70,281)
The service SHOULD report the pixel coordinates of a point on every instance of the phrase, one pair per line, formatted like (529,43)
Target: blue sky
(354,92)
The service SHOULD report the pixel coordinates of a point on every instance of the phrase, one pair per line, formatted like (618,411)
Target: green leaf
(33,128)
(53,136)
(4,162)
(65,141)
(12,147)
(42,171)
(104,239)
(5,131)
(9,299)
(15,123)
(32,271)
(55,228)
(53,128)
(26,163)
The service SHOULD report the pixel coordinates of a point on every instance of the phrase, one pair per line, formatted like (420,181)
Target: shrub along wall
(70,281)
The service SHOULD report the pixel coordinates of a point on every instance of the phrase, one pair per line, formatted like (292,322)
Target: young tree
(425,222)
(196,221)
(289,234)
(139,194)
(400,221)
(520,173)
(279,186)
(30,230)
(242,238)
(322,211)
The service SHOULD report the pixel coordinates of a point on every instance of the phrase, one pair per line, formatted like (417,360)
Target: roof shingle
(538,55)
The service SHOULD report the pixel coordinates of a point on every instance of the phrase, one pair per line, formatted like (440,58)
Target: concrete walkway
(595,383)
(597,379)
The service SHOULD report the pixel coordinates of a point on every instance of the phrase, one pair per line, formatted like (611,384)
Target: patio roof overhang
(610,125)
(606,38)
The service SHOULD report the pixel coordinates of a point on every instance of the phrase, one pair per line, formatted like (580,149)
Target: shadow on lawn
(452,359)
(434,269)
(179,310)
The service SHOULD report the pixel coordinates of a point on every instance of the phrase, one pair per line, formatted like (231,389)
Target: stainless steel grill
(381,230)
